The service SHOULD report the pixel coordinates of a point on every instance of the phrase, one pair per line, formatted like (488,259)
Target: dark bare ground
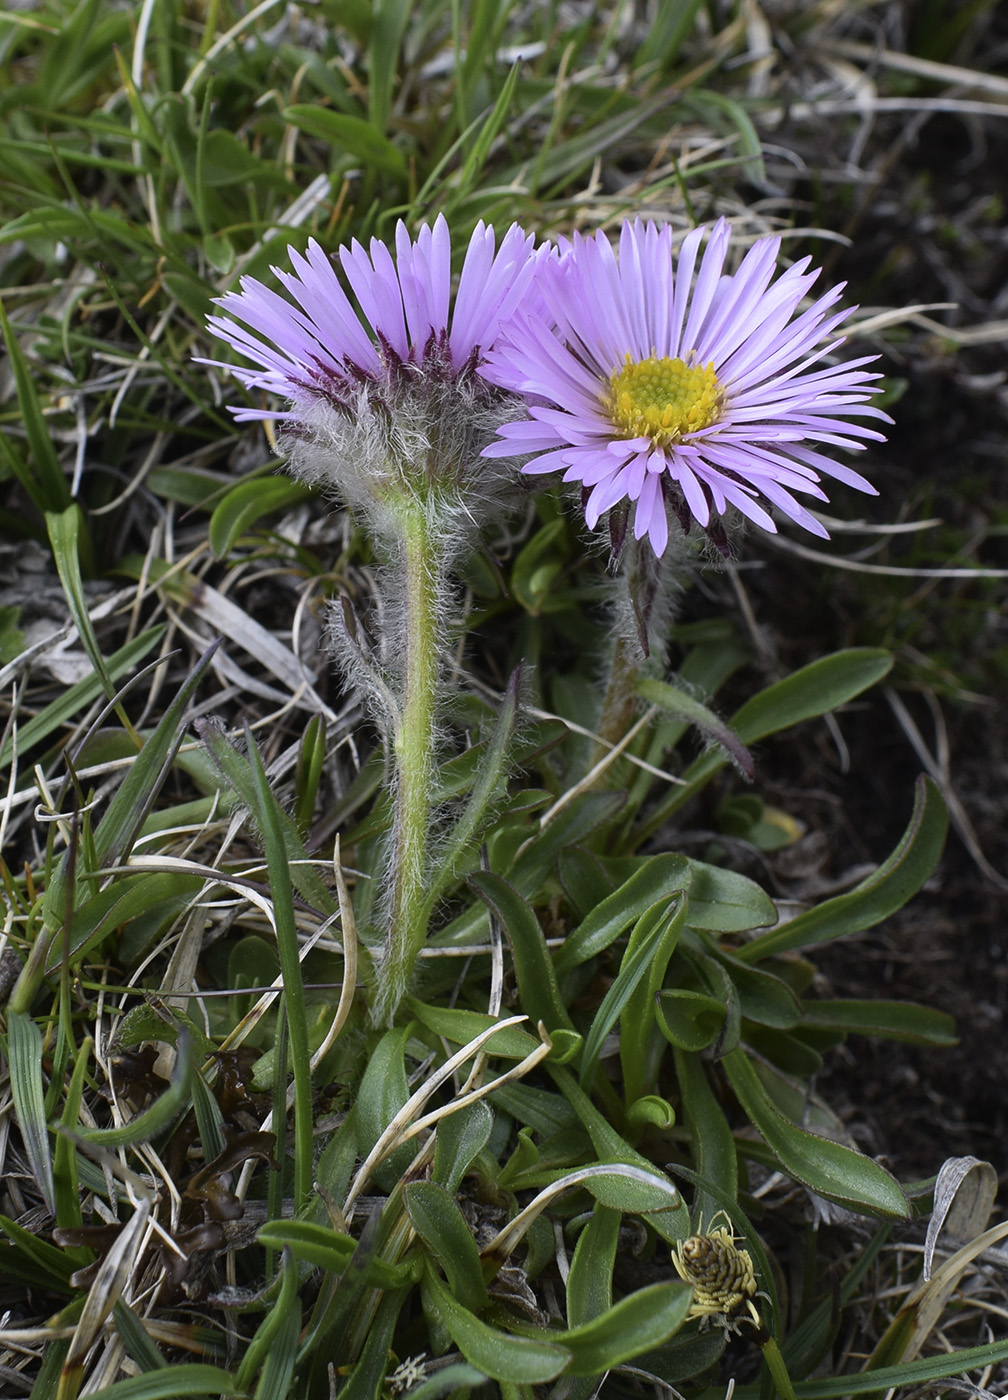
(926,227)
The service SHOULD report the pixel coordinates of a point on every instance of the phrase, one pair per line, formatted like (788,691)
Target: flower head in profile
(670,383)
(376,368)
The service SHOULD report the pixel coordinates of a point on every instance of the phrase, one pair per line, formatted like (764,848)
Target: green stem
(413,756)
(774,1360)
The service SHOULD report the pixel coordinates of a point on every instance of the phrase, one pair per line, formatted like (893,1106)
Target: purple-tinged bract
(669,382)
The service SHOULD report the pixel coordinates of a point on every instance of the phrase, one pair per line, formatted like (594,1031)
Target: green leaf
(186,1378)
(892,1020)
(351,134)
(680,703)
(503,1357)
(832,1170)
(383,1091)
(48,487)
(459,1026)
(285,1303)
(881,894)
(274,825)
(650,947)
(245,504)
(689,1020)
(281,1355)
(762,997)
(161,1112)
(813,691)
(909,1374)
(537,984)
(714,1155)
(461,1137)
(723,901)
(366,1379)
(236,769)
(440,1224)
(119,902)
(322,1246)
(24,1054)
(589,1282)
(657,877)
(489,781)
(125,815)
(643,1320)
(537,564)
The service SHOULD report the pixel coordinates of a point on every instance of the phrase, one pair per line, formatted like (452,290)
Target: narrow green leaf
(383,1091)
(657,877)
(468,827)
(161,1112)
(119,827)
(829,1168)
(186,1378)
(269,820)
(65,529)
(881,894)
(237,772)
(440,1224)
(459,1026)
(245,504)
(281,1355)
(48,488)
(671,24)
(24,1050)
(68,1208)
(540,994)
(519,1360)
(909,1374)
(689,1020)
(135,1339)
(643,1320)
(389,19)
(461,1137)
(119,902)
(365,1381)
(589,1282)
(51,1262)
(715,1158)
(657,929)
(892,1020)
(322,1246)
(676,701)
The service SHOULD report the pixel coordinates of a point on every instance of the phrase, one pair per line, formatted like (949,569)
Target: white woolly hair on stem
(404,455)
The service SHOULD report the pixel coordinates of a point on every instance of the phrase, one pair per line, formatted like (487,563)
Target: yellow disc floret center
(663,399)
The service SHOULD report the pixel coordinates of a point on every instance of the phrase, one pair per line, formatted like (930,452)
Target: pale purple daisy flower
(668,382)
(375,367)
(319,344)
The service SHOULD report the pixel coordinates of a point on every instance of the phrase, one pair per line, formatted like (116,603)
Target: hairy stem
(413,759)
